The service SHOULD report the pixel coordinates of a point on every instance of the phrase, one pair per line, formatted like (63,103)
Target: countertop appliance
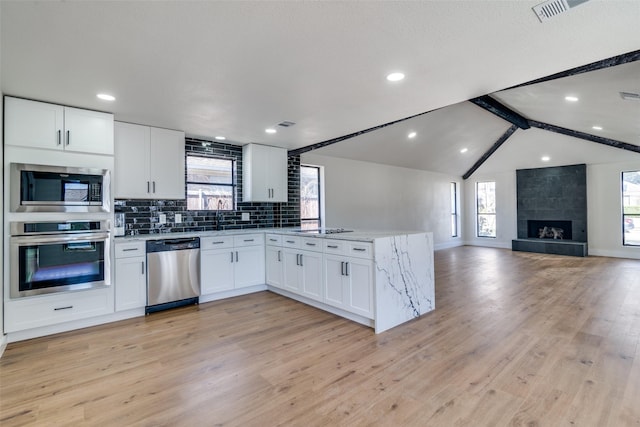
(48,256)
(173,273)
(41,188)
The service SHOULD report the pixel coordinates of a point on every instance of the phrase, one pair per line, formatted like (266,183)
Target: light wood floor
(517,339)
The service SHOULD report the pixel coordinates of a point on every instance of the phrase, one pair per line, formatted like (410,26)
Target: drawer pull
(130,249)
(249,240)
(273,240)
(310,244)
(63,308)
(217,243)
(332,246)
(359,249)
(291,241)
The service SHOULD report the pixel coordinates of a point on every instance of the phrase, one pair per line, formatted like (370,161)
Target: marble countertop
(355,235)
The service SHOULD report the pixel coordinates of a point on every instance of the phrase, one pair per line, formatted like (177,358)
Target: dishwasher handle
(164,245)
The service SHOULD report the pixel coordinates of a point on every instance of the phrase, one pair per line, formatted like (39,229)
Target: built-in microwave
(40,188)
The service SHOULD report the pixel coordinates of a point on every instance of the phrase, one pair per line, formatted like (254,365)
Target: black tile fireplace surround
(554,197)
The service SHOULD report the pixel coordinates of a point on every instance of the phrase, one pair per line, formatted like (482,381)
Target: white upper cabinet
(34,124)
(264,174)
(149,162)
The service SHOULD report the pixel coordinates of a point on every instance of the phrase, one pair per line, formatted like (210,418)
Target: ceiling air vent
(629,96)
(551,8)
(286,124)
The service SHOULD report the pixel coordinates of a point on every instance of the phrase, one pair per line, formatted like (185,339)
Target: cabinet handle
(279,256)
(68,137)
(154,186)
(273,240)
(346,268)
(63,308)
(249,240)
(359,249)
(332,246)
(290,241)
(231,256)
(236,256)
(130,249)
(342,268)
(217,243)
(310,244)
(142,267)
(148,187)
(59,137)
(301,261)
(297,259)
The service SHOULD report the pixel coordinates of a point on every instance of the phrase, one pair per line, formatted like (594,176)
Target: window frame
(320,179)
(479,214)
(625,215)
(233,185)
(453,188)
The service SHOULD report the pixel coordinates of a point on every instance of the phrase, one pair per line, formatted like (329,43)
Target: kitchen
(401,185)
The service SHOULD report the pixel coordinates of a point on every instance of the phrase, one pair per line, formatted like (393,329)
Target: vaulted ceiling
(236,68)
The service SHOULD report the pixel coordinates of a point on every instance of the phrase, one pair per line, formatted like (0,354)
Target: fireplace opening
(545,229)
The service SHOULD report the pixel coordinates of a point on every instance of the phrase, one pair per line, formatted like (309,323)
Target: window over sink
(211,184)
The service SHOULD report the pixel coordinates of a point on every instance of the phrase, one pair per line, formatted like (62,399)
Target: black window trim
(233,185)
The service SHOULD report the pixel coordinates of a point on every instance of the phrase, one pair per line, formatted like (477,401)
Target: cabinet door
(33,124)
(249,266)
(360,286)
(130,283)
(312,285)
(277,179)
(167,164)
(334,287)
(274,267)
(255,173)
(216,271)
(291,270)
(88,131)
(131,172)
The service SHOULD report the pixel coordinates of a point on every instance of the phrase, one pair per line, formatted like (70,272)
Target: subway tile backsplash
(142,215)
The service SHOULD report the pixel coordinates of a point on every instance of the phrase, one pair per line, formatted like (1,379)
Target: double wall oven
(50,251)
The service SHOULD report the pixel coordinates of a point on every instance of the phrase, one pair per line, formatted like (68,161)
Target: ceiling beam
(491,150)
(586,136)
(491,105)
(594,66)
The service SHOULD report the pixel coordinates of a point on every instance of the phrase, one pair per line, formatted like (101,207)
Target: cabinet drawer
(274,239)
(248,240)
(130,249)
(360,250)
(48,310)
(216,242)
(291,241)
(338,247)
(311,244)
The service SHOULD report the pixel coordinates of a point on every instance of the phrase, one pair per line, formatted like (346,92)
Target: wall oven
(40,188)
(60,256)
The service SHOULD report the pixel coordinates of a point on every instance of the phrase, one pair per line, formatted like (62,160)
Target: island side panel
(404,278)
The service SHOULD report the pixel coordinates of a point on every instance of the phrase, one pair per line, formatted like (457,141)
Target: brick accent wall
(142,215)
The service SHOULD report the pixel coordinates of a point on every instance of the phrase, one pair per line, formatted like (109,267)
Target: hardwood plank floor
(517,339)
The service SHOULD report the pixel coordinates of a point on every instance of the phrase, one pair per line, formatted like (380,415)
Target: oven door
(43,264)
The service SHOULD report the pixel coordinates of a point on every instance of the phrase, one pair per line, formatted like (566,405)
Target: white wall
(604,210)
(3,339)
(506,210)
(370,196)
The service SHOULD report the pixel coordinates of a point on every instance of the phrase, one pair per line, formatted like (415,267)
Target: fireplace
(549,229)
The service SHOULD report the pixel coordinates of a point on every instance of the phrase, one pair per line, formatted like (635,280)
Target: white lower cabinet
(231,262)
(349,284)
(303,272)
(130,275)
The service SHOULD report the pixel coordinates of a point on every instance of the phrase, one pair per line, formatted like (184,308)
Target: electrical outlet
(162,218)
(245,216)
(178,218)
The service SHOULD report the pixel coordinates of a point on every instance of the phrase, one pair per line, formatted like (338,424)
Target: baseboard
(630,254)
(489,244)
(3,344)
(232,293)
(448,245)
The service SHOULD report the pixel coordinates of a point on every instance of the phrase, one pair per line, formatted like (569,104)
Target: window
(486,208)
(631,208)
(310,217)
(454,209)
(210,183)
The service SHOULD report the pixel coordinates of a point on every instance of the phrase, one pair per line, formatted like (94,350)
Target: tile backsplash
(142,216)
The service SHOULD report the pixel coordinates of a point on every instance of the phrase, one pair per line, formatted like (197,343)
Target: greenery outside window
(486,209)
(211,184)
(631,208)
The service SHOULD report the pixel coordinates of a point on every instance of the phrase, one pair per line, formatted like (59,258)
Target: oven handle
(59,238)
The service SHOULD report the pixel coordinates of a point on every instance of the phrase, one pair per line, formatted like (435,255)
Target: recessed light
(106,97)
(596,127)
(220,138)
(464,150)
(545,158)
(571,98)
(412,135)
(270,130)
(395,77)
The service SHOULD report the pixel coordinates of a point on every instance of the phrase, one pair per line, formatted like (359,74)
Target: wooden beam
(491,105)
(586,136)
(490,151)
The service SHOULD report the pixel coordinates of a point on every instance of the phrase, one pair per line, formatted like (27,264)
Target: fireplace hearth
(546,229)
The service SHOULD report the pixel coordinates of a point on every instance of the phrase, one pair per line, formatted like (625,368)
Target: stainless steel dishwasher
(173,273)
